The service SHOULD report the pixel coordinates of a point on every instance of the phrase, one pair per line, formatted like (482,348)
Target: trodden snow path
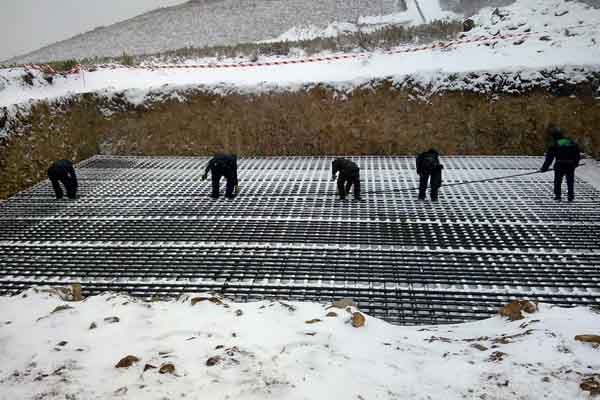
(216,349)
(145,225)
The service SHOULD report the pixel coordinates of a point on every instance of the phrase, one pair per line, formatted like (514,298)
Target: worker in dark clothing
(428,166)
(566,153)
(348,175)
(62,171)
(223,165)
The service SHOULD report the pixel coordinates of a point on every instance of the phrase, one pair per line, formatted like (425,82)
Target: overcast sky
(27,25)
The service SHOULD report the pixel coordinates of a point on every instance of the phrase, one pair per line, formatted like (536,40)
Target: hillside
(200,23)
(204,23)
(520,39)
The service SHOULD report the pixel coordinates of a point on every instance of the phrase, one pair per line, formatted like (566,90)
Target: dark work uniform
(566,153)
(220,166)
(349,175)
(429,167)
(62,171)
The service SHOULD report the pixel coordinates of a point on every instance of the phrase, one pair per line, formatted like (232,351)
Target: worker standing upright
(567,155)
(428,166)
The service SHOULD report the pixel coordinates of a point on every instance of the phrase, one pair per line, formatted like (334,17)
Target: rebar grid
(146,226)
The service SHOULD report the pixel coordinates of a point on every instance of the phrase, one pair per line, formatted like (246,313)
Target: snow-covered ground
(590,172)
(208,23)
(53,349)
(431,11)
(558,34)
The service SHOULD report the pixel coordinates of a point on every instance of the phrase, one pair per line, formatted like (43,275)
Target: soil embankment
(318,121)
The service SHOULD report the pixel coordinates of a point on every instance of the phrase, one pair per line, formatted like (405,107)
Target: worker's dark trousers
(559,174)
(345,183)
(436,183)
(216,179)
(69,185)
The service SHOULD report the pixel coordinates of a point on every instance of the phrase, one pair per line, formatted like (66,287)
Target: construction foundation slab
(146,226)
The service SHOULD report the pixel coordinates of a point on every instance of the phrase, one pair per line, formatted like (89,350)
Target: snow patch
(367,24)
(222,349)
(590,172)
(309,32)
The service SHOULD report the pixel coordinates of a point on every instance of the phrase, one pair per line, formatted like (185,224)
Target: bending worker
(348,176)
(428,166)
(223,165)
(62,171)
(566,153)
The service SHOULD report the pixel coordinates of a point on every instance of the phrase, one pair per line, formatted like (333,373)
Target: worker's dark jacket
(429,170)
(223,165)
(62,171)
(566,153)
(428,162)
(349,177)
(345,167)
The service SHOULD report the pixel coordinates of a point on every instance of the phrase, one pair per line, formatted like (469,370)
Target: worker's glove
(204,177)
(236,190)
(333,178)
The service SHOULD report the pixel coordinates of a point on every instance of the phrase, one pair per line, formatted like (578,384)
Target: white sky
(27,25)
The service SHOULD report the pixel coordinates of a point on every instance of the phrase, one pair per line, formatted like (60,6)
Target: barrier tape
(440,45)
(47,69)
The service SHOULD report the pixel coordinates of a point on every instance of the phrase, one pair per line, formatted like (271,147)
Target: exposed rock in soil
(358,320)
(514,309)
(591,384)
(167,368)
(127,362)
(588,338)
(213,361)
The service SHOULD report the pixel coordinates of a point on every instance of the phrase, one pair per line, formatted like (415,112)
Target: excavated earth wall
(380,119)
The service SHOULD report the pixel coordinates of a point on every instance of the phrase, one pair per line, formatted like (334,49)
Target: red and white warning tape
(47,69)
(440,45)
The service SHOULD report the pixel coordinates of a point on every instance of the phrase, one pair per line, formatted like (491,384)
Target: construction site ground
(147,226)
